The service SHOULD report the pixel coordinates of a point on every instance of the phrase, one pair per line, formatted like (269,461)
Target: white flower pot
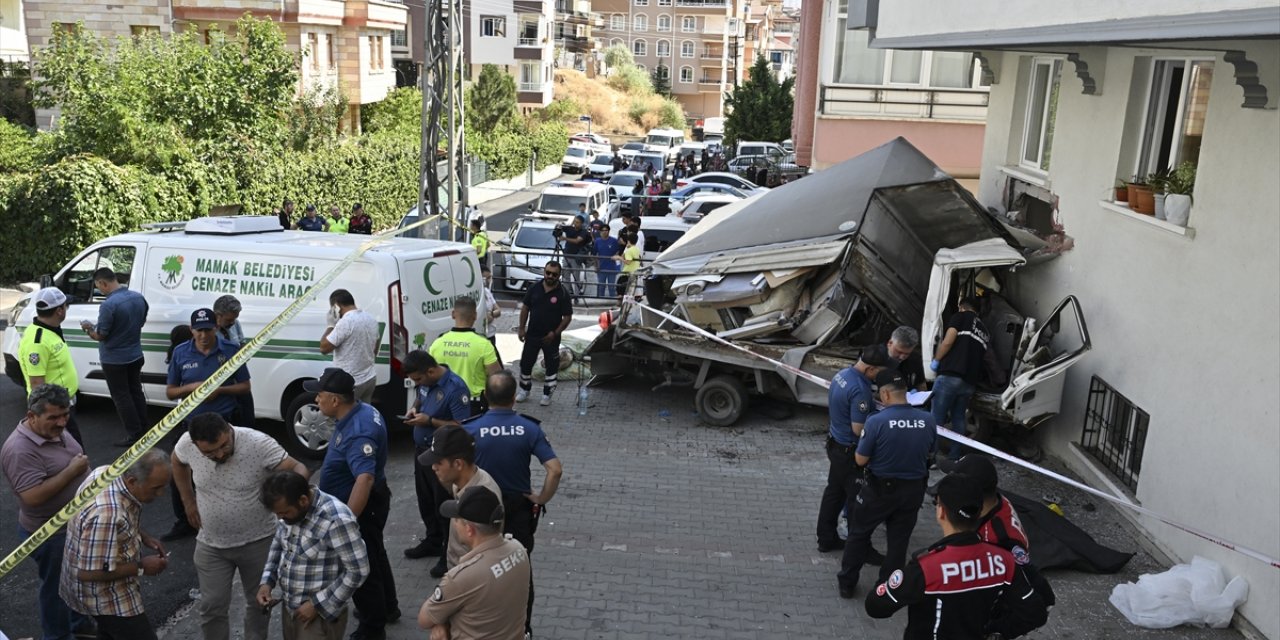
(1160,205)
(1177,209)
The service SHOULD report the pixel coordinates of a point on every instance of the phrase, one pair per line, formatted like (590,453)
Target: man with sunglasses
(544,315)
(229,464)
(193,362)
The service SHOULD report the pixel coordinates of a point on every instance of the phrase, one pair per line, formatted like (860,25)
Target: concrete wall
(954,146)
(1185,327)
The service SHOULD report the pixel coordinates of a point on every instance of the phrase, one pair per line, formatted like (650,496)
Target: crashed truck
(811,273)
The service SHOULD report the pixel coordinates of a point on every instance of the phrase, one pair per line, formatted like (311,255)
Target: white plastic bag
(1196,594)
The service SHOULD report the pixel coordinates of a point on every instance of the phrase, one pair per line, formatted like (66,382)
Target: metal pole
(451,212)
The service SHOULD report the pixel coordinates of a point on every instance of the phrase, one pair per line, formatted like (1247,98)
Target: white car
(591,139)
(620,186)
(629,150)
(518,258)
(659,232)
(692,209)
(665,141)
(723,177)
(562,199)
(576,159)
(601,167)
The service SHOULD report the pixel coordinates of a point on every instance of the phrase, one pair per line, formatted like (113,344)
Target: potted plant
(1122,191)
(1178,203)
(1159,182)
(1141,198)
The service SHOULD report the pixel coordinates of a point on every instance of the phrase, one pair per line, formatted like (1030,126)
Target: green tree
(661,79)
(400,113)
(618,56)
(491,101)
(760,108)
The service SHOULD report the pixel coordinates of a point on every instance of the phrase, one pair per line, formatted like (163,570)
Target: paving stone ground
(665,528)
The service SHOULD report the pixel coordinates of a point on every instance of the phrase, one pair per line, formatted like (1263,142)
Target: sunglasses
(552,274)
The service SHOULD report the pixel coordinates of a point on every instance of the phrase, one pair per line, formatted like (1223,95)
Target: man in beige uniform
(484,596)
(452,457)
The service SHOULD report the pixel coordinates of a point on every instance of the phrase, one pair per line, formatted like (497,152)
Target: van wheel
(307,431)
(721,401)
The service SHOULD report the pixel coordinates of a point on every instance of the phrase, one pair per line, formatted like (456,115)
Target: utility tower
(442,183)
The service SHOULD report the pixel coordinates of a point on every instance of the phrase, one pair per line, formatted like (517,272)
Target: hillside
(612,111)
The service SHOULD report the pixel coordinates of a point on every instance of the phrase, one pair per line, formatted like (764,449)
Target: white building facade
(519,37)
(1175,406)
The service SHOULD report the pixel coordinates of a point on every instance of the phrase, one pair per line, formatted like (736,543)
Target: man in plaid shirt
(103,558)
(317,558)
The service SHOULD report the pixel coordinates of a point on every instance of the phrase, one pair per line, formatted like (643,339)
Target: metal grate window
(1115,432)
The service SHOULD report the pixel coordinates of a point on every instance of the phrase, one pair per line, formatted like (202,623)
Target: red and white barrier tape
(1226,544)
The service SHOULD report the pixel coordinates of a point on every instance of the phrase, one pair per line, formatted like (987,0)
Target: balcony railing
(712,55)
(958,104)
(531,87)
(528,42)
(709,81)
(702,3)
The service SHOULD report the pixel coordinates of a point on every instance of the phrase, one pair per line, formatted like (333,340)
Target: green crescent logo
(426,279)
(472,267)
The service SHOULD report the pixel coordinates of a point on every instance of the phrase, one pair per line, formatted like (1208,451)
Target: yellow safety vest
(43,353)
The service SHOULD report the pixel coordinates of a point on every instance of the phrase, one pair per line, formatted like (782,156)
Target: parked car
(601,167)
(561,198)
(620,186)
(723,177)
(629,150)
(664,141)
(576,159)
(758,148)
(679,196)
(694,208)
(592,138)
(658,160)
(776,171)
(660,232)
(518,258)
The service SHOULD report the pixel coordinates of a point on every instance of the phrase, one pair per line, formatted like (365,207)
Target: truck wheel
(307,431)
(721,401)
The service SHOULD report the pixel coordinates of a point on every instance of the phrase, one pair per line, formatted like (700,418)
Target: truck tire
(306,431)
(721,401)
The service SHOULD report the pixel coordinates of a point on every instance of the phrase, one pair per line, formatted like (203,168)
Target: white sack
(1196,594)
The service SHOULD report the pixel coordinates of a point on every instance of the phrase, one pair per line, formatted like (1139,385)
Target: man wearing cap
(467,353)
(226,312)
(849,403)
(544,314)
(361,223)
(354,471)
(310,221)
(506,442)
(958,362)
(119,337)
(452,458)
(960,587)
(999,523)
(894,448)
(352,336)
(193,362)
(43,354)
(441,399)
(44,469)
(480,598)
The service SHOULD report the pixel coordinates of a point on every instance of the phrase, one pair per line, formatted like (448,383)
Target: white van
(561,198)
(407,284)
(665,141)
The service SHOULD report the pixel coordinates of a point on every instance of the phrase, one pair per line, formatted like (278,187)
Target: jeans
(377,596)
(124,382)
(216,569)
(844,478)
(56,619)
(949,401)
(605,280)
(575,270)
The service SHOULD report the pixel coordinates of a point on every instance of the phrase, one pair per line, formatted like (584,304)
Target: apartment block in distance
(519,37)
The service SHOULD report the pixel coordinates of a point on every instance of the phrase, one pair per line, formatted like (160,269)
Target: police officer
(505,443)
(481,597)
(849,403)
(441,399)
(43,354)
(190,365)
(467,353)
(894,448)
(961,587)
(544,315)
(226,312)
(354,471)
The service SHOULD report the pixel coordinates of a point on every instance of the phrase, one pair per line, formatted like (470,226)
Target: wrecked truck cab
(794,283)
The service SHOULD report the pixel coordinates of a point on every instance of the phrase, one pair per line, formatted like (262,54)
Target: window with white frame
(530,76)
(664,22)
(493,27)
(616,42)
(1177,103)
(1041,113)
(664,48)
(686,74)
(687,48)
(854,62)
(664,3)
(689,24)
(617,22)
(640,22)
(640,47)
(641,3)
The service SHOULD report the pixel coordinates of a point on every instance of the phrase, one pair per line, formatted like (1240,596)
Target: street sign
(584,118)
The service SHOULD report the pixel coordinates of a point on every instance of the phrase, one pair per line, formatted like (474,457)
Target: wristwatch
(141,571)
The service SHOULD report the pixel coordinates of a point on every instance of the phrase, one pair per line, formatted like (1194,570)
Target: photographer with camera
(575,241)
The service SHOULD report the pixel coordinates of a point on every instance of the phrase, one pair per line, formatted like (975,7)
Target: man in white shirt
(352,337)
(229,464)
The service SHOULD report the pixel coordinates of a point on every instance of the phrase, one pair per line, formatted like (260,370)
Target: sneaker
(439,569)
(835,545)
(394,614)
(522,395)
(545,401)
(874,558)
(423,550)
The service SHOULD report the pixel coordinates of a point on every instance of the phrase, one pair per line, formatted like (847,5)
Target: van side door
(84,301)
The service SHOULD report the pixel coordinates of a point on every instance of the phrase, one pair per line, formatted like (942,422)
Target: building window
(642,3)
(313,51)
(1176,108)
(616,42)
(664,23)
(329,46)
(493,27)
(528,32)
(686,74)
(664,48)
(1042,109)
(531,76)
(640,48)
(640,22)
(686,49)
(400,38)
(139,30)
(854,62)
(689,24)
(664,3)
(617,22)
(1115,432)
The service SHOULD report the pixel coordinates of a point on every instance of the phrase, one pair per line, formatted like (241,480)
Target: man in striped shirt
(103,559)
(317,558)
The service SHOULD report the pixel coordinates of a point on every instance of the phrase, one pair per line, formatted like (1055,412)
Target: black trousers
(73,427)
(844,478)
(521,522)
(124,628)
(377,595)
(893,503)
(529,356)
(124,383)
(431,494)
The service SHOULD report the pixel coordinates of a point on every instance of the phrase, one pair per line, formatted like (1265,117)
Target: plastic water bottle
(583,397)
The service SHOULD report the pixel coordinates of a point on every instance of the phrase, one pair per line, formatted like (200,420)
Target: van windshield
(657,140)
(535,238)
(550,203)
(577,152)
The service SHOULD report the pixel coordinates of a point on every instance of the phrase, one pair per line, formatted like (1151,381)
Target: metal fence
(515,271)
(1115,432)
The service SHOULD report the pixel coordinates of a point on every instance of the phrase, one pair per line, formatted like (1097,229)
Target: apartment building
(13,32)
(519,37)
(851,97)
(1174,407)
(344,42)
(574,39)
(689,38)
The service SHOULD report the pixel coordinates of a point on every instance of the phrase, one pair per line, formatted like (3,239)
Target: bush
(671,114)
(631,80)
(18,151)
(400,113)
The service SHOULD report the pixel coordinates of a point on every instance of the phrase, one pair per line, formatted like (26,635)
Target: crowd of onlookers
(335,222)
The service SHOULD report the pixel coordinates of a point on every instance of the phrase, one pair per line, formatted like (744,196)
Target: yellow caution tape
(180,412)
